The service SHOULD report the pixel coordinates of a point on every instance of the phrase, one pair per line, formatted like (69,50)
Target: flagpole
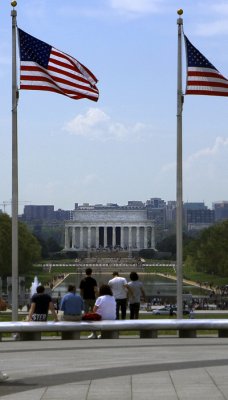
(179,194)
(14,169)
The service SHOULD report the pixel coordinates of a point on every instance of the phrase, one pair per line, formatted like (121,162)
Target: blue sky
(124,146)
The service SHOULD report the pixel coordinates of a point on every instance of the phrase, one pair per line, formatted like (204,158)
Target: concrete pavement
(167,368)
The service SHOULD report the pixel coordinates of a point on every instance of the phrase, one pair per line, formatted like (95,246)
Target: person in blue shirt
(72,305)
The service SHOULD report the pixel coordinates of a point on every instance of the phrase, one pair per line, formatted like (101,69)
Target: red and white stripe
(206,81)
(64,75)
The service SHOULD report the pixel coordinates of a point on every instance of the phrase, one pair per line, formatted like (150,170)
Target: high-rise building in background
(156,211)
(221,210)
(45,213)
(198,216)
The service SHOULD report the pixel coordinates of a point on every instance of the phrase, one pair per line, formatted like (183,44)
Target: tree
(209,252)
(28,247)
(168,244)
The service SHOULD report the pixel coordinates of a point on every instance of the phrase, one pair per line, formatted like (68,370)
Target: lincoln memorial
(97,227)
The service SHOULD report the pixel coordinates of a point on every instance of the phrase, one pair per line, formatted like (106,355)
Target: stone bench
(111,329)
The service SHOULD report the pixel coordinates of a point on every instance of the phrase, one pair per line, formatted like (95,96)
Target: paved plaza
(120,369)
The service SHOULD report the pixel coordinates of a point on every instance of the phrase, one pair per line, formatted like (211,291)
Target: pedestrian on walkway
(88,288)
(72,305)
(135,295)
(41,303)
(119,287)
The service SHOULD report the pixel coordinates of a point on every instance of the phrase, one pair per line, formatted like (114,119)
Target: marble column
(138,237)
(73,238)
(81,237)
(145,237)
(114,236)
(122,237)
(129,237)
(152,238)
(105,236)
(67,242)
(97,237)
(89,237)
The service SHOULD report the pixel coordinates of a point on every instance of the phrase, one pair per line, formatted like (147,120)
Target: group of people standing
(109,301)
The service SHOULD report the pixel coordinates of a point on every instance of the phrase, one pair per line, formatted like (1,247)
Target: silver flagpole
(179,205)
(14,169)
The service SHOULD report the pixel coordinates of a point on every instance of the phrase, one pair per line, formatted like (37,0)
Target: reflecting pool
(154,285)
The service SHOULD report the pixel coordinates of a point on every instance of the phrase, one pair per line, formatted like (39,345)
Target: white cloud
(95,124)
(219,145)
(205,173)
(207,154)
(136,6)
(125,8)
(91,179)
(203,163)
(217,27)
(216,19)
(220,8)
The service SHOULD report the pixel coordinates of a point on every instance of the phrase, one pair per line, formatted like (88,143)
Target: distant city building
(129,226)
(63,215)
(109,226)
(35,212)
(134,203)
(199,219)
(198,216)
(45,213)
(221,210)
(194,206)
(155,202)
(171,211)
(156,211)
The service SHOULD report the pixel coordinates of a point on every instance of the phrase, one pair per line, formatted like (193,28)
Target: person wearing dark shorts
(88,289)
(41,303)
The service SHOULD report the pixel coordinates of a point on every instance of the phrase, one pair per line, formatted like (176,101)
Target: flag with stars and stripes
(202,76)
(42,67)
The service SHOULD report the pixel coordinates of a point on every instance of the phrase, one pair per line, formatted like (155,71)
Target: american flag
(43,67)
(202,76)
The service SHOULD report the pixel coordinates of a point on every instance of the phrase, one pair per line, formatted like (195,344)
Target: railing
(111,329)
(105,266)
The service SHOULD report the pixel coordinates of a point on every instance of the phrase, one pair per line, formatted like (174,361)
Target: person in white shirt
(105,306)
(119,289)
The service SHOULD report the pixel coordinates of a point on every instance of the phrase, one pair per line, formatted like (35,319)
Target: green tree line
(29,249)
(209,251)
(206,252)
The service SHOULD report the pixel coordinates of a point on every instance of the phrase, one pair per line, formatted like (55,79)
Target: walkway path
(123,369)
(189,282)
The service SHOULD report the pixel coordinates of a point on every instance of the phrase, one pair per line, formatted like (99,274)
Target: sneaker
(3,377)
(16,336)
(99,337)
(92,336)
